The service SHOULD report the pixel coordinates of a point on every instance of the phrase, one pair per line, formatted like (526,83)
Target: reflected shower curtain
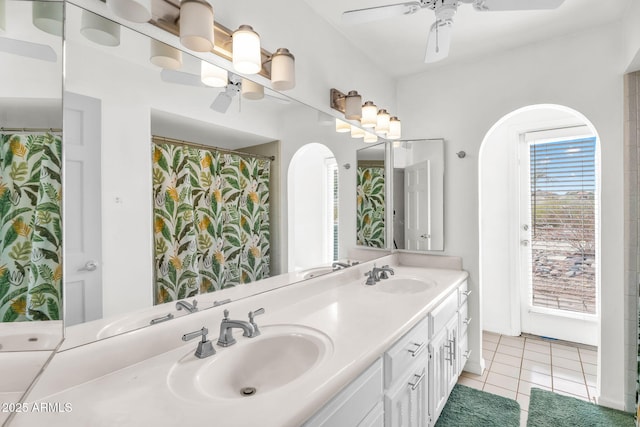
(370,207)
(30,227)
(211,220)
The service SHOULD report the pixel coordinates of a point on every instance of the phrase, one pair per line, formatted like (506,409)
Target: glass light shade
(47,16)
(382,123)
(342,126)
(131,10)
(283,70)
(353,106)
(395,128)
(370,137)
(99,30)
(369,115)
(196,25)
(252,90)
(246,50)
(164,55)
(212,75)
(356,132)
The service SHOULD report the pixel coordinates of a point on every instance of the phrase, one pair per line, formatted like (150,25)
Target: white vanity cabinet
(406,367)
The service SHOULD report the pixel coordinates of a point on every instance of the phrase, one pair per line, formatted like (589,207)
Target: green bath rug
(468,407)
(548,409)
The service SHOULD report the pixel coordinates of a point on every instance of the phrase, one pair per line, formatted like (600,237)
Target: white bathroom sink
(404,285)
(132,322)
(252,367)
(314,272)
(27,341)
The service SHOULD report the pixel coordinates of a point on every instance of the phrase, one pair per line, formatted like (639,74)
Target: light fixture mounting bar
(165,15)
(338,100)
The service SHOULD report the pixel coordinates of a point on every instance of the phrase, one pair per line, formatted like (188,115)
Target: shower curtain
(30,227)
(370,207)
(211,220)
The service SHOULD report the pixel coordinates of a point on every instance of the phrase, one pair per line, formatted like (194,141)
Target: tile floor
(515,364)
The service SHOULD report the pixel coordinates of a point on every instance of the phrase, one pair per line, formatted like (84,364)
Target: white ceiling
(397,45)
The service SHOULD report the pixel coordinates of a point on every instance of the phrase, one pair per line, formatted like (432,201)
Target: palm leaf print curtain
(211,220)
(370,207)
(30,227)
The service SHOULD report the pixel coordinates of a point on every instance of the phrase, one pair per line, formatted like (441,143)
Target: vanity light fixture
(196,25)
(369,115)
(251,90)
(370,137)
(131,10)
(382,122)
(47,16)
(395,128)
(99,30)
(353,106)
(165,56)
(356,132)
(283,69)
(246,50)
(342,126)
(212,75)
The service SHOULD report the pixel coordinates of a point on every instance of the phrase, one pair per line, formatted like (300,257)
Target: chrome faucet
(205,347)
(226,330)
(191,308)
(253,314)
(381,273)
(337,265)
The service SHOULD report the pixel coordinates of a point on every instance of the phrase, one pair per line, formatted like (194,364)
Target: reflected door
(82,206)
(417,200)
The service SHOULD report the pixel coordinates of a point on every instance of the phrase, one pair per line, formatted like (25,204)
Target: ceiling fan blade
(221,103)
(504,5)
(360,16)
(439,41)
(181,78)
(28,49)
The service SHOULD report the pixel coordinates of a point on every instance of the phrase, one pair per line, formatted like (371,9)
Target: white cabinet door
(437,373)
(407,404)
(451,353)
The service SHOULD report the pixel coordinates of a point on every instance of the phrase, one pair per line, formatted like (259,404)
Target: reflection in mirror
(418,195)
(193,210)
(371,189)
(30,175)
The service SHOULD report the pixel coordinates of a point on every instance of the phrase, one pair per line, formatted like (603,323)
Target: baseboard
(474,366)
(611,403)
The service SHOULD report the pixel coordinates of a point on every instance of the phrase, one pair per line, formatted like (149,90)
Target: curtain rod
(52,130)
(156,138)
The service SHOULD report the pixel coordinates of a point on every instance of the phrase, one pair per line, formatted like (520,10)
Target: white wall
(631,45)
(462,102)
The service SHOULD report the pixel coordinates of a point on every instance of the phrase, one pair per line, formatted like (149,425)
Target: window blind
(563,224)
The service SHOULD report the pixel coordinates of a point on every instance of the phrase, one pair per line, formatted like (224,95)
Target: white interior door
(417,204)
(558,237)
(82,207)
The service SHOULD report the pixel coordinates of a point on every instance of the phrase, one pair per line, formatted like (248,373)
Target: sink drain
(248,391)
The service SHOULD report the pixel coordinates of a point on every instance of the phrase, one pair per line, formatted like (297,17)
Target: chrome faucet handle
(371,278)
(252,314)
(205,347)
(226,314)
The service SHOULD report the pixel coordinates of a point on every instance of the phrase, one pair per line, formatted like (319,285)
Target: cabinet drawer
(443,313)
(405,351)
(463,292)
(465,320)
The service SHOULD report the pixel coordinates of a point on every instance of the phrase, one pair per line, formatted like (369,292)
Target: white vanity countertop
(361,321)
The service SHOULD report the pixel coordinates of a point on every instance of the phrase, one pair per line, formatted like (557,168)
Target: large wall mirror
(136,232)
(418,195)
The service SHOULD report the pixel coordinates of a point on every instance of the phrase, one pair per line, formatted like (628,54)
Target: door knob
(425,236)
(89,266)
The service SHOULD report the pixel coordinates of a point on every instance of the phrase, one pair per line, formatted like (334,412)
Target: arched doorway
(313,207)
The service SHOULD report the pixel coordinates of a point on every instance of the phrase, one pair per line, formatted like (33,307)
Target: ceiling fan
(222,102)
(439,38)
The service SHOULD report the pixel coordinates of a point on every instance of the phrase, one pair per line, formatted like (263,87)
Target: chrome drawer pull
(417,382)
(420,348)
(467,320)
(467,293)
